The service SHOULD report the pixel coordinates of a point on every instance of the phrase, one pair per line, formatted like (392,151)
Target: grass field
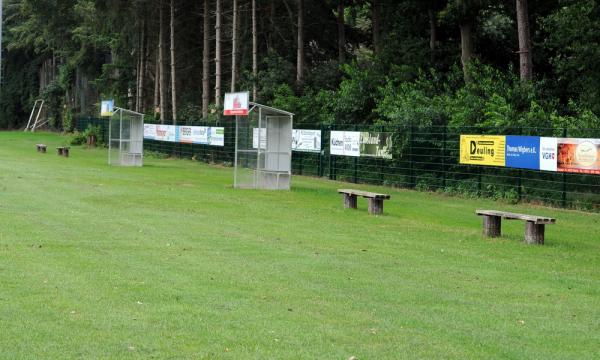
(168,261)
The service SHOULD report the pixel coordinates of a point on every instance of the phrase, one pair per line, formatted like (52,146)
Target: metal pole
(235,153)
(564,179)
(109,138)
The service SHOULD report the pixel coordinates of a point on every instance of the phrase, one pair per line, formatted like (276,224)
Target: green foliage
(53,96)
(572,32)
(79,138)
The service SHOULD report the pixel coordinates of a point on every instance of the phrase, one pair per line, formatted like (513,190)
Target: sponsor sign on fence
(532,152)
(306,140)
(579,156)
(376,144)
(302,140)
(361,144)
(523,152)
(483,150)
(203,135)
(548,154)
(345,143)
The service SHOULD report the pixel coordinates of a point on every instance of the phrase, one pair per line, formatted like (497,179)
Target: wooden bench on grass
(41,148)
(375,200)
(534,225)
(63,151)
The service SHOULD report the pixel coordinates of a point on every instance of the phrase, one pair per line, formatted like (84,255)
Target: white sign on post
(236,104)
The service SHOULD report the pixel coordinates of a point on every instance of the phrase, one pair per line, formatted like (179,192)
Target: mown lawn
(168,261)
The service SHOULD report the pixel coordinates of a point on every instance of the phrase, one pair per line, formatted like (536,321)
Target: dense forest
(499,63)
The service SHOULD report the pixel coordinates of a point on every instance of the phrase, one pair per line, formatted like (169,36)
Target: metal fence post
(411,181)
(520,177)
(381,162)
(564,179)
(321,153)
(444,131)
(355,167)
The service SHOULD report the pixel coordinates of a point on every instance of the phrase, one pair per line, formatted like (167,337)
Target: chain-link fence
(424,158)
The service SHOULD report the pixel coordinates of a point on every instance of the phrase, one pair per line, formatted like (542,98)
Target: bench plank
(538,220)
(365,194)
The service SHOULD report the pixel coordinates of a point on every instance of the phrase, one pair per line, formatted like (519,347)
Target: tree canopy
(442,62)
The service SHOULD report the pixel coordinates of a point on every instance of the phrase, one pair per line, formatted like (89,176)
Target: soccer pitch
(169,261)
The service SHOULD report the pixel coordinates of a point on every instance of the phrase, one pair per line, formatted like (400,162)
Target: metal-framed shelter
(126,138)
(263,149)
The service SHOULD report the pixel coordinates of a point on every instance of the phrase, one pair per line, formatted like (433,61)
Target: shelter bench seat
(63,151)
(534,225)
(41,148)
(375,200)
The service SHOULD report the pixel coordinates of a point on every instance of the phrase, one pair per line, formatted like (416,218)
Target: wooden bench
(63,151)
(375,200)
(534,225)
(41,148)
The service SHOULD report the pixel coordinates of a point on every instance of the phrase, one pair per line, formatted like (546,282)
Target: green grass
(168,261)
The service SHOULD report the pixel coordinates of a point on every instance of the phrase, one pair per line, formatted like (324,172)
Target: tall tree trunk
(141,69)
(206,61)
(157,85)
(341,32)
(300,59)
(254,52)
(234,45)
(162,66)
(173,66)
(272,17)
(218,54)
(466,45)
(526,64)
(432,31)
(376,18)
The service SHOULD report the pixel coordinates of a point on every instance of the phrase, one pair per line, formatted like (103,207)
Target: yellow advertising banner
(483,150)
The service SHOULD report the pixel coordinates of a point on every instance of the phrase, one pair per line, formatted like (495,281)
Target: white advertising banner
(306,140)
(165,133)
(345,143)
(548,154)
(214,136)
(149,131)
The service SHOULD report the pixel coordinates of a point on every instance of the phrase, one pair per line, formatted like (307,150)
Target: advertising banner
(166,133)
(345,143)
(523,152)
(579,156)
(306,140)
(483,150)
(214,136)
(548,154)
(236,104)
(376,144)
(149,131)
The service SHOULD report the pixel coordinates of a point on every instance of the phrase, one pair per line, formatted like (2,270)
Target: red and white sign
(236,104)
